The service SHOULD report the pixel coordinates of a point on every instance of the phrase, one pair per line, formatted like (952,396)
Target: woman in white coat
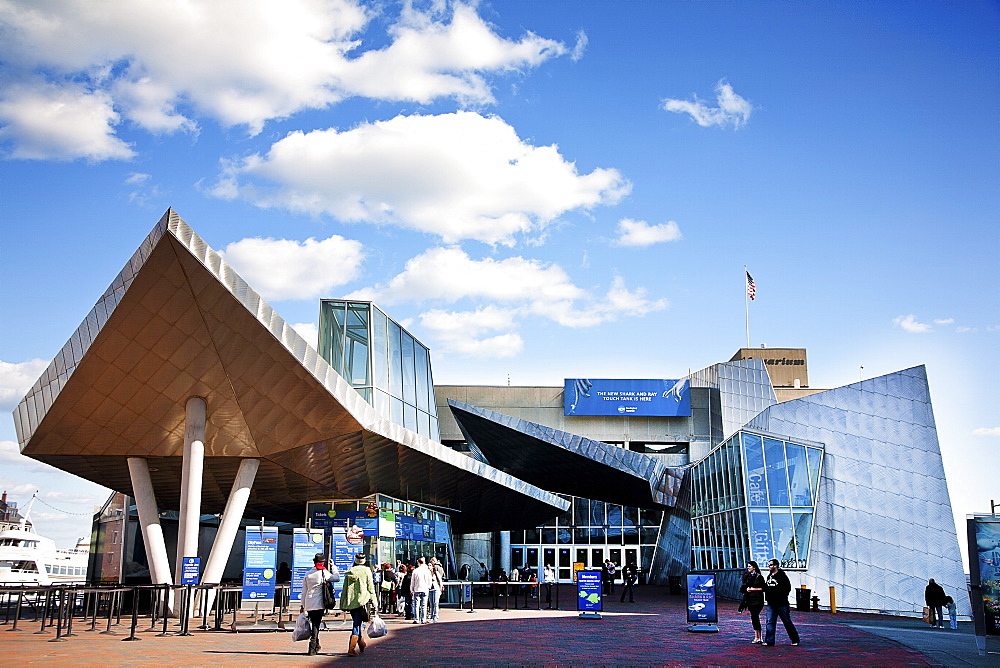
(315,579)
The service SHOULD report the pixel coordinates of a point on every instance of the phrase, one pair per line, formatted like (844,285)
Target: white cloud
(466,333)
(459,176)
(580,47)
(986,431)
(48,122)
(944,321)
(308,331)
(16,379)
(503,292)
(732,109)
(165,64)
(286,269)
(640,233)
(909,323)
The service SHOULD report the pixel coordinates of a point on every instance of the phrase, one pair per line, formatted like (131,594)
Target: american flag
(751,288)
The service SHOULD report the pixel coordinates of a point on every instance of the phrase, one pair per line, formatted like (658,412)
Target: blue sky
(536,190)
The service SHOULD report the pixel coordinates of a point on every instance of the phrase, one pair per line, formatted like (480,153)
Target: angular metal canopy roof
(566,463)
(179,322)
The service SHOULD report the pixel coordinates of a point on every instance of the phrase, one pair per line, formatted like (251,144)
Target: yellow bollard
(833,599)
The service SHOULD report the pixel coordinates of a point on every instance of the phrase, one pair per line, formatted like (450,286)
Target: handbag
(329,596)
(301,630)
(928,616)
(743,604)
(377,627)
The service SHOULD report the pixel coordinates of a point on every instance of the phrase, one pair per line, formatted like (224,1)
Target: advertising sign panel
(259,562)
(984,566)
(305,544)
(701,599)
(640,397)
(343,555)
(190,570)
(588,592)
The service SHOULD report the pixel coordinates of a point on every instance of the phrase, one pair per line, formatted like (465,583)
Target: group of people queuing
(629,575)
(410,590)
(413,591)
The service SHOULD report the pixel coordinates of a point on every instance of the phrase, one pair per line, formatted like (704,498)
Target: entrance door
(565,564)
(596,557)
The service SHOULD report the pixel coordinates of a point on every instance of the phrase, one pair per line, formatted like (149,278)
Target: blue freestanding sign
(588,594)
(259,562)
(305,544)
(343,554)
(702,614)
(190,570)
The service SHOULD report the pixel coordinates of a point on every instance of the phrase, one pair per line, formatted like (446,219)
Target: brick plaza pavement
(651,632)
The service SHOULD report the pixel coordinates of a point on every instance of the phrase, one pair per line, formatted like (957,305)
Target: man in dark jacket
(776,591)
(934,598)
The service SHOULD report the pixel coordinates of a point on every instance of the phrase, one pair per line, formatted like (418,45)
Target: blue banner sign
(609,396)
(259,561)
(305,544)
(190,570)
(343,554)
(701,607)
(588,592)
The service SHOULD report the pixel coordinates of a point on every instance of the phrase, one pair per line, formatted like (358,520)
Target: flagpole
(746,301)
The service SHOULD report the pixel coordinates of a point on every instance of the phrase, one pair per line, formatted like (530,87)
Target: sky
(536,190)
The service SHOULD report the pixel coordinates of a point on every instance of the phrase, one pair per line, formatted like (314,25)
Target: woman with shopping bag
(316,593)
(357,596)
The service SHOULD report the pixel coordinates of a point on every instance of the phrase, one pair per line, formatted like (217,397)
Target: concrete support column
(191,476)
(505,552)
(229,523)
(149,521)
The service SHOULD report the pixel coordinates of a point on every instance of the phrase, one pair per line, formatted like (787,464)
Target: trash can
(802,596)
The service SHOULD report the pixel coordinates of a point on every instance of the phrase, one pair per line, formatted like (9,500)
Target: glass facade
(382,361)
(754,497)
(587,533)
(394,530)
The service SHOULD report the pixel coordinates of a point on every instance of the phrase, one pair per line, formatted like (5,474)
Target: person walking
(549,579)
(420,585)
(315,579)
(934,598)
(388,588)
(358,595)
(630,573)
(610,571)
(952,612)
(753,597)
(406,591)
(776,591)
(437,588)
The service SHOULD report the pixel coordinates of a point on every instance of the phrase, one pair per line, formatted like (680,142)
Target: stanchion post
(45,611)
(166,596)
(135,615)
(186,619)
(71,608)
(59,619)
(111,614)
(17,610)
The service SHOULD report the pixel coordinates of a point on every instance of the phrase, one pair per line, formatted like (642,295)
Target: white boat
(29,559)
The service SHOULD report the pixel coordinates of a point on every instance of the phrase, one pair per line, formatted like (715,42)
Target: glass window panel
(784,537)
(803,533)
(409,373)
(651,517)
(564,536)
(380,351)
(798,474)
(516,537)
(597,513)
(581,512)
(396,408)
(630,536)
(581,536)
(420,369)
(395,361)
(614,514)
(357,357)
(815,456)
(777,479)
(760,535)
(409,417)
(630,516)
(382,404)
(531,535)
(423,424)
(648,535)
(598,535)
(548,536)
(756,482)
(331,339)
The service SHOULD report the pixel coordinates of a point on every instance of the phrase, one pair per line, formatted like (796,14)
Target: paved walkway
(651,632)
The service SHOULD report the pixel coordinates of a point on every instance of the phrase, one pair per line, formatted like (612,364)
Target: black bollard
(59,619)
(45,612)
(17,610)
(135,614)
